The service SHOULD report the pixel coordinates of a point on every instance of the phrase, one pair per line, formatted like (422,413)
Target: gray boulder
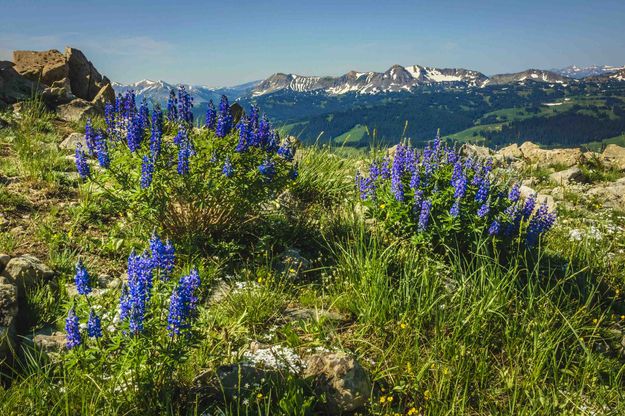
(27,272)
(341,378)
(564,177)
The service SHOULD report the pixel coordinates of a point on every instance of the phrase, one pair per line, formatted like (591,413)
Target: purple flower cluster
(185,104)
(182,303)
(81,162)
(81,279)
(147,172)
(439,181)
(72,330)
(163,256)
(211,116)
(224,118)
(94,325)
(137,292)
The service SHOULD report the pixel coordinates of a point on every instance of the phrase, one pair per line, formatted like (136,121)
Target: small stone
(564,177)
(50,343)
(72,141)
(341,378)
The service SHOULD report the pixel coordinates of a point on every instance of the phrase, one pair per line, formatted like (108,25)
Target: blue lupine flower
(541,222)
(455,208)
(228,169)
(183,302)
(89,138)
(267,168)
(528,208)
(81,279)
(172,106)
(81,162)
(397,187)
(135,133)
(211,116)
(185,104)
(385,171)
(494,228)
(102,151)
(109,118)
(184,152)
(147,171)
(483,210)
(483,191)
(72,330)
(156,135)
(224,120)
(460,187)
(144,115)
(244,135)
(163,256)
(134,300)
(424,216)
(94,325)
(515,193)
(364,185)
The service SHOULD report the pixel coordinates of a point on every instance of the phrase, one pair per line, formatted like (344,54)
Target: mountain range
(396,79)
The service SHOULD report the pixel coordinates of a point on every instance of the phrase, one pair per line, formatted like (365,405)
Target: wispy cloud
(136,46)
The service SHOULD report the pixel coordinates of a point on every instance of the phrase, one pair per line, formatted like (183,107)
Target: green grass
(445,333)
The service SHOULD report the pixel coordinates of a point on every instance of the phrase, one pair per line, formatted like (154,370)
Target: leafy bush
(438,196)
(192,182)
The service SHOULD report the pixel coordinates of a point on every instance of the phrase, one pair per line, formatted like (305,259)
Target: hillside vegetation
(160,264)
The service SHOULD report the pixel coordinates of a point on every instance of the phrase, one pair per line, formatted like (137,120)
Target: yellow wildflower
(382,206)
(412,411)
(427,395)
(382,399)
(259,396)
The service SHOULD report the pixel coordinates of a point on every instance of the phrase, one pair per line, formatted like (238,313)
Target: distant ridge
(399,78)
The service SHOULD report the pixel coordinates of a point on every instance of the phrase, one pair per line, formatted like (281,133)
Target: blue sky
(230,42)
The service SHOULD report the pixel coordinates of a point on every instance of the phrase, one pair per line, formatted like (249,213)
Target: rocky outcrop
(44,67)
(86,82)
(64,79)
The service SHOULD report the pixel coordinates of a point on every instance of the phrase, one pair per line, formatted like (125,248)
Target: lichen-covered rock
(526,192)
(49,343)
(27,272)
(475,151)
(615,156)
(533,154)
(341,378)
(76,110)
(611,195)
(510,152)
